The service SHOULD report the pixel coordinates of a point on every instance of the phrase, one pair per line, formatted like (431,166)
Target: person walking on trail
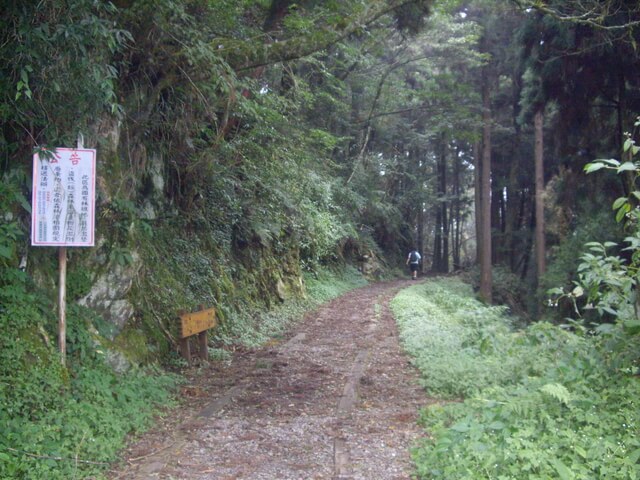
(413,260)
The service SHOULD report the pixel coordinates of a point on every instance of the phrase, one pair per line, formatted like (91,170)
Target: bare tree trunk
(497,238)
(420,242)
(437,242)
(539,173)
(421,213)
(525,221)
(456,214)
(444,258)
(627,178)
(486,279)
(529,251)
(511,216)
(477,167)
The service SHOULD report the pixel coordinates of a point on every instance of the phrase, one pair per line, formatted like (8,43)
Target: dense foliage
(542,402)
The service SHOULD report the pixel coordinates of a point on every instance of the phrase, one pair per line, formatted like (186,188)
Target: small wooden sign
(196,322)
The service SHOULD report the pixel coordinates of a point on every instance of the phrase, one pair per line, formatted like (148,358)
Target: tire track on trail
(338,400)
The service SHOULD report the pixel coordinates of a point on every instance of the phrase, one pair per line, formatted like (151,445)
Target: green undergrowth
(327,284)
(63,422)
(535,403)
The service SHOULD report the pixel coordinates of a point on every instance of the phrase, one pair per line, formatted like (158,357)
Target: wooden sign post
(62,304)
(196,323)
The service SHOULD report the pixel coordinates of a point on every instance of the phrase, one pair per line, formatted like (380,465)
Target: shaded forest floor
(337,399)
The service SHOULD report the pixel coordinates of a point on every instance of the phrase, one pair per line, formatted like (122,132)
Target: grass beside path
(538,403)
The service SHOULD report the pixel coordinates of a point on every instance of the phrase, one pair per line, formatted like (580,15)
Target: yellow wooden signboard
(196,322)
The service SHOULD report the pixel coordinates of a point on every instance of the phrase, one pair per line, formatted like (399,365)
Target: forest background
(247,147)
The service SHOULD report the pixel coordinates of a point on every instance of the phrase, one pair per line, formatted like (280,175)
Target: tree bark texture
(477,167)
(456,212)
(539,174)
(486,279)
(441,239)
(444,259)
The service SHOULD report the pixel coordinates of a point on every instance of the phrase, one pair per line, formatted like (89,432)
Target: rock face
(156,185)
(294,287)
(108,295)
(281,290)
(370,265)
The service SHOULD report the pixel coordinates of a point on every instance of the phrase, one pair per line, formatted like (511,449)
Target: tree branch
(248,57)
(594,17)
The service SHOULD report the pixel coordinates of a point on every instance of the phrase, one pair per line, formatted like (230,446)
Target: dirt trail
(337,400)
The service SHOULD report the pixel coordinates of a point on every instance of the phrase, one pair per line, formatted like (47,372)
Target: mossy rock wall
(183,268)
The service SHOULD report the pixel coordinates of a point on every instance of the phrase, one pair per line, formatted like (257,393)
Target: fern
(558,392)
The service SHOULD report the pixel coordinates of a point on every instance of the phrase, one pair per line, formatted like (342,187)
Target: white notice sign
(63,202)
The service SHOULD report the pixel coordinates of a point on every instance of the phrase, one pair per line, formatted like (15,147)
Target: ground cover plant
(57,422)
(538,403)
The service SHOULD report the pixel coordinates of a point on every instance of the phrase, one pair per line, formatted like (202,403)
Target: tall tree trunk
(528,252)
(627,178)
(456,214)
(524,221)
(539,174)
(437,242)
(497,251)
(437,236)
(421,213)
(511,215)
(512,242)
(442,193)
(486,279)
(621,109)
(477,168)
(420,242)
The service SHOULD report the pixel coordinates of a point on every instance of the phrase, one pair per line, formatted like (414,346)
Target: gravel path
(337,400)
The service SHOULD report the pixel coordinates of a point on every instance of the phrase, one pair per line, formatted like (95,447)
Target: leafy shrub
(464,345)
(324,223)
(563,266)
(87,421)
(539,403)
(538,430)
